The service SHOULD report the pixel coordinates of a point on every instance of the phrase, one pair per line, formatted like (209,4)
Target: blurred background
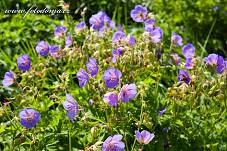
(202,22)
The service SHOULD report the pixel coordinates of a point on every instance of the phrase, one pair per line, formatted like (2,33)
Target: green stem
(70,146)
(134,143)
(208,36)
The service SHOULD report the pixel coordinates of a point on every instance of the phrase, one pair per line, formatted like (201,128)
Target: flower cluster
(216,61)
(109,79)
(92,68)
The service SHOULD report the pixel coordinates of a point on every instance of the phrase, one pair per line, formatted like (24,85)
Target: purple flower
(59,31)
(42,48)
(149,24)
(226,64)
(71,106)
(175,57)
(9,79)
(111,98)
(139,13)
(69,41)
(156,34)
(112,77)
(190,63)
(165,130)
(220,65)
(162,111)
(29,117)
(83,77)
(109,22)
(176,39)
(144,137)
(97,20)
(183,76)
(116,54)
(24,62)
(131,40)
(81,26)
(55,51)
(113,143)
(188,51)
(118,37)
(128,92)
(215,8)
(92,66)
(211,60)
(90,102)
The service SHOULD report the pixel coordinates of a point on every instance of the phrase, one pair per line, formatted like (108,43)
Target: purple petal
(111,77)
(23,62)
(128,92)
(147,136)
(220,65)
(176,39)
(111,98)
(83,77)
(117,137)
(183,76)
(188,51)
(9,79)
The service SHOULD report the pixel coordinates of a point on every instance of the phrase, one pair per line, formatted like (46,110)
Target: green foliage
(19,35)
(193,19)
(196,114)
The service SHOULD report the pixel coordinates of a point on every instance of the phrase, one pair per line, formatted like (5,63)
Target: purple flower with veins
(176,39)
(69,41)
(162,111)
(211,60)
(149,24)
(116,54)
(139,13)
(113,143)
(127,93)
(111,98)
(60,31)
(55,51)
(9,79)
(81,26)
(190,63)
(183,76)
(118,37)
(156,34)
(175,57)
(42,48)
(71,106)
(92,66)
(131,40)
(97,20)
(24,62)
(220,65)
(112,77)
(83,77)
(188,51)
(144,137)
(29,117)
